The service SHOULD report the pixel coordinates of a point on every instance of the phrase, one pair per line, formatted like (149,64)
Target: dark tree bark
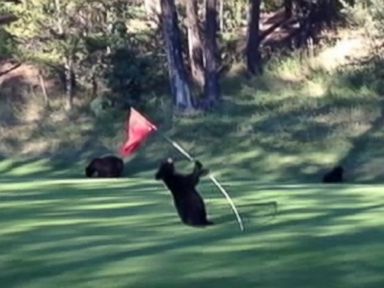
(254,64)
(6,19)
(211,87)
(195,46)
(288,7)
(177,73)
(328,10)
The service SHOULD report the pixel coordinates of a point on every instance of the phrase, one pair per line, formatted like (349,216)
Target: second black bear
(189,204)
(334,176)
(105,167)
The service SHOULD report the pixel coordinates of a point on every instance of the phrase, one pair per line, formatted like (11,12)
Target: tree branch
(10,69)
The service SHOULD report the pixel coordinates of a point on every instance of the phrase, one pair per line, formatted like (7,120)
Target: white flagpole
(229,200)
(222,190)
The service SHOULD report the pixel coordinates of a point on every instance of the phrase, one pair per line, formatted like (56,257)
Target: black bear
(105,167)
(189,204)
(334,176)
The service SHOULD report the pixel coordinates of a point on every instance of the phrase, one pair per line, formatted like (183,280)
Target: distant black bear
(189,204)
(334,176)
(105,167)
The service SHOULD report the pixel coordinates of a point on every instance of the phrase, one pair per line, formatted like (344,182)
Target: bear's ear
(170,160)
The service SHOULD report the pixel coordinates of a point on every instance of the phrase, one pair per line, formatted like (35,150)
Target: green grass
(125,233)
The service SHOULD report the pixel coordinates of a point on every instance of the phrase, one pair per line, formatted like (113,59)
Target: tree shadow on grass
(363,162)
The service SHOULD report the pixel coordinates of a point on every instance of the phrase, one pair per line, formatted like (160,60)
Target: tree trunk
(94,84)
(177,73)
(68,60)
(195,44)
(253,39)
(68,83)
(288,6)
(329,11)
(221,15)
(59,18)
(6,19)
(43,89)
(211,87)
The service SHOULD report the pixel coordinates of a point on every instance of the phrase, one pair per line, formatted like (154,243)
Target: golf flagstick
(138,128)
(218,185)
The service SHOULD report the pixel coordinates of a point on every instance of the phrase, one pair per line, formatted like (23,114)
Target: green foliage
(129,75)
(234,14)
(370,74)
(366,13)
(92,39)
(7,41)
(376,9)
(271,5)
(7,44)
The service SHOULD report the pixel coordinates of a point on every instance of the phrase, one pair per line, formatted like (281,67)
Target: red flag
(138,129)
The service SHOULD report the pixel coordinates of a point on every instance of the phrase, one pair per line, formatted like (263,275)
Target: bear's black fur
(105,167)
(334,176)
(189,204)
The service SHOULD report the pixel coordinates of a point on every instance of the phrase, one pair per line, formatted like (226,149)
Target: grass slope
(301,117)
(124,233)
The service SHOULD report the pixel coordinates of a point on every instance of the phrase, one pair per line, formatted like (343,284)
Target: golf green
(125,233)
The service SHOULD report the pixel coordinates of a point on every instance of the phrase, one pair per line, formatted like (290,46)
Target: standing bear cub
(189,204)
(105,167)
